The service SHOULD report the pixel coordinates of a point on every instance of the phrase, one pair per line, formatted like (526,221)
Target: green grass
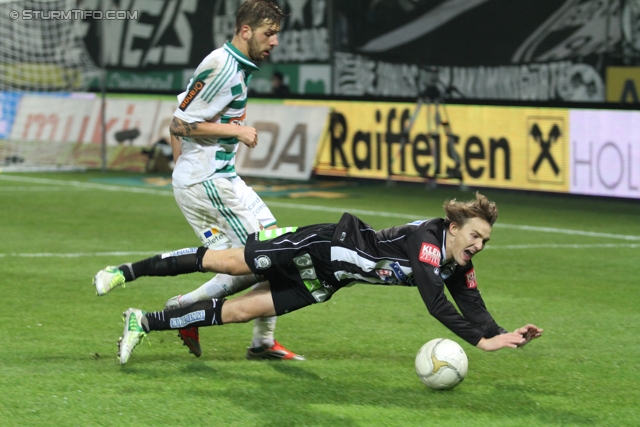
(58,340)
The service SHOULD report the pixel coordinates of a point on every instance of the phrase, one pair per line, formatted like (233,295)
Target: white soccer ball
(441,364)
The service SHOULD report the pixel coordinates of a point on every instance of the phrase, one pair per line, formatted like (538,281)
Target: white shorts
(223,212)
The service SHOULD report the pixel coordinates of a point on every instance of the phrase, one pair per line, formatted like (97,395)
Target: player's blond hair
(460,212)
(256,12)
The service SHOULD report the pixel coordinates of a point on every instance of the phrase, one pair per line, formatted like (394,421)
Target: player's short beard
(255,53)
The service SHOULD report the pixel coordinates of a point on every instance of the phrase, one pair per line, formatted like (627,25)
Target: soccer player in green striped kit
(206,130)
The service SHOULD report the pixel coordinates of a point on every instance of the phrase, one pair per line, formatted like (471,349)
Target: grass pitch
(567,264)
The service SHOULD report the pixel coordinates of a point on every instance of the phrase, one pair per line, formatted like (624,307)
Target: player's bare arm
(181,128)
(176,147)
(245,134)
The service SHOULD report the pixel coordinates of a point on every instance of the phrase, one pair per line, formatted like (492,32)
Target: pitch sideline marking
(489,247)
(106,187)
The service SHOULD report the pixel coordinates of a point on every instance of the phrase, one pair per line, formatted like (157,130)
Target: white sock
(220,286)
(263,329)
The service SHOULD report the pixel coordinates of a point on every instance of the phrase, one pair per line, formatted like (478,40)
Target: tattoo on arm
(181,128)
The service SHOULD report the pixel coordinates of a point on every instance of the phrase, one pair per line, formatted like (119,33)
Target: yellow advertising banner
(623,84)
(487,146)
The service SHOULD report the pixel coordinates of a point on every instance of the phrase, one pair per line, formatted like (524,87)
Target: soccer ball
(441,364)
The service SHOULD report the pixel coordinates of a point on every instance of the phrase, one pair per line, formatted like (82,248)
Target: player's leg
(288,295)
(182,261)
(263,342)
(220,286)
(256,303)
(217,216)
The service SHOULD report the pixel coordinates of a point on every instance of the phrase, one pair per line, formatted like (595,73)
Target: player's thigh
(255,303)
(297,264)
(204,220)
(216,214)
(254,203)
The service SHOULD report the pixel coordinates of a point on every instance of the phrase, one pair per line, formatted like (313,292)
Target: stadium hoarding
(605,153)
(623,85)
(288,138)
(502,147)
(68,130)
(78,119)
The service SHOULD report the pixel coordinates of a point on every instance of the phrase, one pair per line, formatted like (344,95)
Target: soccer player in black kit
(309,264)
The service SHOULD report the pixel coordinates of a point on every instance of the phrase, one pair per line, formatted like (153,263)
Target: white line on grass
(25,188)
(119,188)
(566,246)
(493,247)
(78,254)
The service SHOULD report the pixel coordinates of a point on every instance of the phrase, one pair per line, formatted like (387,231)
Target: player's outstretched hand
(529,332)
(510,339)
(515,339)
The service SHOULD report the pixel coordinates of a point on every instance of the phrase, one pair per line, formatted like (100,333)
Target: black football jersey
(413,255)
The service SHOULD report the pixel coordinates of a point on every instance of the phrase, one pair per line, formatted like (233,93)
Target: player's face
(262,41)
(468,240)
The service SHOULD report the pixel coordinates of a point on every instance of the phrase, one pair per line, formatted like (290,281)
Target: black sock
(201,313)
(182,261)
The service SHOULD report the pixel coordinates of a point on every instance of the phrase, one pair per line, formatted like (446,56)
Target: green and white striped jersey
(216,93)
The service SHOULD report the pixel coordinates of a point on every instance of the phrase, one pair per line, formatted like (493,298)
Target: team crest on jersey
(430,254)
(262,262)
(198,85)
(470,278)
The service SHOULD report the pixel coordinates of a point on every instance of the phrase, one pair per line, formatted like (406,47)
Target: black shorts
(297,264)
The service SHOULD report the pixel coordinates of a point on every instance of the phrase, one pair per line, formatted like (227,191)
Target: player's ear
(453,228)
(246,32)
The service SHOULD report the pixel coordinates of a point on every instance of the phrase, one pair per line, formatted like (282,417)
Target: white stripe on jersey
(347,255)
(339,253)
(292,248)
(342,275)
(366,265)
(283,241)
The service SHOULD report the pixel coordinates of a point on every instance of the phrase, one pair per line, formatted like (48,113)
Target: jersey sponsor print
(470,278)
(430,254)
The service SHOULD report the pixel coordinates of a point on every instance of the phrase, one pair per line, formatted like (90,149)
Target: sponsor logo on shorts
(262,262)
(211,236)
(436,271)
(187,319)
(185,251)
(343,236)
(430,254)
(470,278)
